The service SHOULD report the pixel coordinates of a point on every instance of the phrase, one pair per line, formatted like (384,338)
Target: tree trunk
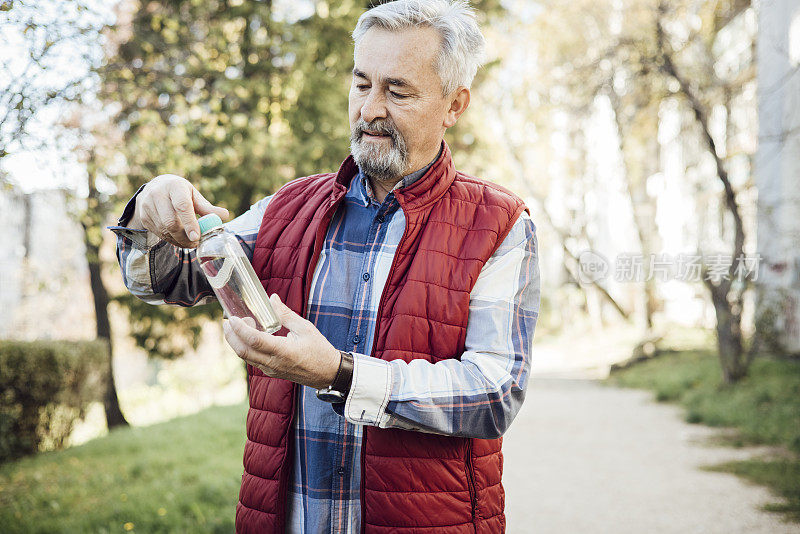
(114,417)
(92,222)
(732,357)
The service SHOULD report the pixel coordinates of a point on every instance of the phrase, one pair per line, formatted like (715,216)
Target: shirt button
(340,471)
(365,276)
(356,339)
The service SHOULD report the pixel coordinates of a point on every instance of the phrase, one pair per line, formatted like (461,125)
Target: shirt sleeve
(161,273)
(480,394)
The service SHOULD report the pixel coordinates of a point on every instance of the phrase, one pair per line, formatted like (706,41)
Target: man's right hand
(168,207)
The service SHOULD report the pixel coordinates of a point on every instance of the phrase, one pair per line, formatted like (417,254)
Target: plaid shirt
(476,396)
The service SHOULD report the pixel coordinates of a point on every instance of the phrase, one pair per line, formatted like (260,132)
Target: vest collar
(422,192)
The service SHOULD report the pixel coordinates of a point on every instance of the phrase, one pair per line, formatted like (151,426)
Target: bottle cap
(209,222)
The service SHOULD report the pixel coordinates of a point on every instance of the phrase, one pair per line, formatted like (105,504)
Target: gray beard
(377,161)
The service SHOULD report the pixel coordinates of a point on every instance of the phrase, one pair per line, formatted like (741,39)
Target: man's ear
(459,102)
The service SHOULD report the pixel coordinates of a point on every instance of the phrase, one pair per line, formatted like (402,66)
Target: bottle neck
(211,233)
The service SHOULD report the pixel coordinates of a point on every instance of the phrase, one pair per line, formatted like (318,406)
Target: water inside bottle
(239,291)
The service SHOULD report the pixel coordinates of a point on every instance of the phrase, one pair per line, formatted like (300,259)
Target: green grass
(763,408)
(179,476)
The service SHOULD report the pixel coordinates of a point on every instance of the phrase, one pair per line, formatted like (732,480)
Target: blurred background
(656,143)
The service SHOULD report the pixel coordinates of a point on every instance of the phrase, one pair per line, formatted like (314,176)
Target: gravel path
(584,458)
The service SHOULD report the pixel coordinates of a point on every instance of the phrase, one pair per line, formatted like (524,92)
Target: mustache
(380,126)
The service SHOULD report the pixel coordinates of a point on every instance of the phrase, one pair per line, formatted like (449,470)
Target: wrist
(327,368)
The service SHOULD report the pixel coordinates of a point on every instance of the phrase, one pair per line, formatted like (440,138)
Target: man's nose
(374,106)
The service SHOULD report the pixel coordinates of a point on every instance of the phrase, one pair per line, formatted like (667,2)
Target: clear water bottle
(232,276)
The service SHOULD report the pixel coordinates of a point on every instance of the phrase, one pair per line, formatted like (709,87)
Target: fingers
(256,345)
(169,225)
(237,344)
(183,207)
(288,318)
(167,208)
(204,207)
(242,338)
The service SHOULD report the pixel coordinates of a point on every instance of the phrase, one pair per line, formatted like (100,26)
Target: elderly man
(408,293)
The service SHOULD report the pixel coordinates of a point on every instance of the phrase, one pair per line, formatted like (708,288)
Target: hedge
(45,387)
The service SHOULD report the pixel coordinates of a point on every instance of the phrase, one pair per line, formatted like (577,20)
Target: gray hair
(462,47)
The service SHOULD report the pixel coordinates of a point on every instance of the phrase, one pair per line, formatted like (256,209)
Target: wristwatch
(340,387)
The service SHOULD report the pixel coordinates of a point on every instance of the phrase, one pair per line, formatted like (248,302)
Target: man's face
(397,110)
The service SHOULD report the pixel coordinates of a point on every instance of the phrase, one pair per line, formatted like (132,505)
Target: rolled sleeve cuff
(369,391)
(138,237)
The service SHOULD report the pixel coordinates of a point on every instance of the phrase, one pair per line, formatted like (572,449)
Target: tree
(52,34)
(642,55)
(234,96)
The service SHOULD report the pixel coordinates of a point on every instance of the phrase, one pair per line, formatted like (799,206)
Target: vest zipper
(361,488)
(471,481)
(283,486)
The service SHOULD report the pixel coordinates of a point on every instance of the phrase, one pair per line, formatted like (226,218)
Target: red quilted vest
(411,482)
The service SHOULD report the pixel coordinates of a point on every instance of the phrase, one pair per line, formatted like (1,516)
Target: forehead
(407,53)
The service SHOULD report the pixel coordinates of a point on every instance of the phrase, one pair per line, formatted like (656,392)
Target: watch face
(330,395)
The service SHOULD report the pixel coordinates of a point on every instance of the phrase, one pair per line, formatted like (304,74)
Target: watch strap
(340,387)
(344,376)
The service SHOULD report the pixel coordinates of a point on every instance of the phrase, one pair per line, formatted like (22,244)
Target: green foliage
(45,386)
(179,476)
(166,331)
(231,95)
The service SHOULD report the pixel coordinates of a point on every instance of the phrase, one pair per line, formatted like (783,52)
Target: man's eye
(397,95)
(362,87)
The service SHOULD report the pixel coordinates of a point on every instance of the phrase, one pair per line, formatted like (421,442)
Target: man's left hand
(304,356)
